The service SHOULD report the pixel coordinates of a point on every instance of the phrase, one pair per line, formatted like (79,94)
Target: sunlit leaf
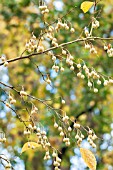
(29,145)
(89,158)
(86,5)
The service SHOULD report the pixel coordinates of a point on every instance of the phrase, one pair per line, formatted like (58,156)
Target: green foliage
(18,20)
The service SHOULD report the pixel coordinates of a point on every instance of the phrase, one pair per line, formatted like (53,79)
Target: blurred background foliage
(18,19)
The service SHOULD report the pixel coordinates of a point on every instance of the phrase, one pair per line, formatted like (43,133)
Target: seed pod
(55,125)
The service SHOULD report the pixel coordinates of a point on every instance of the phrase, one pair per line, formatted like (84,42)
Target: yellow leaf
(89,158)
(29,145)
(86,5)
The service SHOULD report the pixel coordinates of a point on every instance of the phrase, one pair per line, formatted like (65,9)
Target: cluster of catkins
(61,25)
(51,30)
(91,48)
(79,136)
(92,76)
(69,61)
(65,122)
(55,67)
(32,44)
(95,23)
(43,141)
(43,8)
(3,58)
(49,33)
(42,138)
(23,93)
(11,100)
(57,160)
(109,50)
(91,138)
(41,134)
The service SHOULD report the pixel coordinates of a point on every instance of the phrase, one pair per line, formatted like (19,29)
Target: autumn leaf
(89,158)
(29,145)
(86,5)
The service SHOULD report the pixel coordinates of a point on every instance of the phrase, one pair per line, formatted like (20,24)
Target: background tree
(20,21)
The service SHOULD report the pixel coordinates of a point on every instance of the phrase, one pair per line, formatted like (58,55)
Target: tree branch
(59,46)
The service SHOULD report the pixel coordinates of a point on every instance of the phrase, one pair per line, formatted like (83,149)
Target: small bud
(61,133)
(30,126)
(67,143)
(13,101)
(23,93)
(59,128)
(65,119)
(105,82)
(34,128)
(86,32)
(105,47)
(84,67)
(99,82)
(90,132)
(72,30)
(61,69)
(67,27)
(38,129)
(55,125)
(93,145)
(79,74)
(77,136)
(25,132)
(76,125)
(82,76)
(89,84)
(87,46)
(63,101)
(46,10)
(78,65)
(54,154)
(64,52)
(69,129)
(94,137)
(43,132)
(110,81)
(72,68)
(95,90)
(53,58)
